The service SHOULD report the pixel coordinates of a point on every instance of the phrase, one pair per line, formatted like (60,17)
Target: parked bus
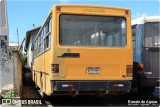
(146,45)
(84,49)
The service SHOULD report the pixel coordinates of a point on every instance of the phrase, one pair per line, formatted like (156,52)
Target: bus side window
(47,41)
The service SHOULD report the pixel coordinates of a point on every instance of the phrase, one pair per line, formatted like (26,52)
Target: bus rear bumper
(92,86)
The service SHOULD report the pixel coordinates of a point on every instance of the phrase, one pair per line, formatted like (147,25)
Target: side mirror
(32,47)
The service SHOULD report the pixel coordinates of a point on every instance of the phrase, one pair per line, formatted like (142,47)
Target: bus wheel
(146,90)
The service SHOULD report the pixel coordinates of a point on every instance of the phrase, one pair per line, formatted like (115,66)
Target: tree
(24,59)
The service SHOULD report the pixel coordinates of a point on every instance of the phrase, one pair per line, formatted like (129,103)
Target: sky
(22,14)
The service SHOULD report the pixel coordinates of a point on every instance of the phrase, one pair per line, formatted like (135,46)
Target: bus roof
(89,5)
(80,5)
(143,20)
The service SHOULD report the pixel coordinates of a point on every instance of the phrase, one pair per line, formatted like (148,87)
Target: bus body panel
(110,68)
(73,62)
(113,67)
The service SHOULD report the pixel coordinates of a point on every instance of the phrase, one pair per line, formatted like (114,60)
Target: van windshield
(98,31)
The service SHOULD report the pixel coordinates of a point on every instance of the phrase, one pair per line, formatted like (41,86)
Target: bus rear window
(151,34)
(99,31)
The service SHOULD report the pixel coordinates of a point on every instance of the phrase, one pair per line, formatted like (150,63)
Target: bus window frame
(47,35)
(134,27)
(146,43)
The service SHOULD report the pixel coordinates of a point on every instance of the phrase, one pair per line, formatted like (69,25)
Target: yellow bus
(84,49)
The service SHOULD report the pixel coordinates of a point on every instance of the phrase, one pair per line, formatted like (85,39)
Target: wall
(18,64)
(6,75)
(11,74)
(29,53)
(10,71)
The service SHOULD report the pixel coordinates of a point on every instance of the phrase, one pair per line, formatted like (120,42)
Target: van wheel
(146,90)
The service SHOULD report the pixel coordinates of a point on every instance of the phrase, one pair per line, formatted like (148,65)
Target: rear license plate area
(93,70)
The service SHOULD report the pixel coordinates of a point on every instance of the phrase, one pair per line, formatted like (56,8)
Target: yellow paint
(112,61)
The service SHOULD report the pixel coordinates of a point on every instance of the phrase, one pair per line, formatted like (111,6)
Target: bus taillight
(67,85)
(129,69)
(55,68)
(118,85)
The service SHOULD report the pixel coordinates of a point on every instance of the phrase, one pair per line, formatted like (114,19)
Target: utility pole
(33,26)
(17,36)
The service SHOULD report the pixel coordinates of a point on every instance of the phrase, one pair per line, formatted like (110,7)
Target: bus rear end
(92,50)
(146,40)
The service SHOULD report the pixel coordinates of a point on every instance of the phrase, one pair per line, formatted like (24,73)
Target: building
(3,29)
(30,36)
(6,66)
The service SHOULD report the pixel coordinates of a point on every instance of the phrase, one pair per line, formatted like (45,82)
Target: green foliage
(24,59)
(11,48)
(9,94)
